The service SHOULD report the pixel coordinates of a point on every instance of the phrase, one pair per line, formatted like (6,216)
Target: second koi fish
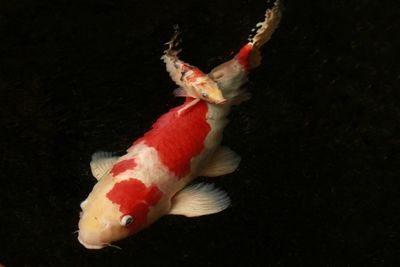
(192,81)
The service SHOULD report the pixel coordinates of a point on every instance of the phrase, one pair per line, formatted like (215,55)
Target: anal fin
(198,200)
(224,161)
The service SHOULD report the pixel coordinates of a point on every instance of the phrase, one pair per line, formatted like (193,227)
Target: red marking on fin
(179,138)
(243,56)
(122,166)
(134,198)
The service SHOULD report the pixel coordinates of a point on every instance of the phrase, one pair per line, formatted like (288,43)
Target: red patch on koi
(134,198)
(243,56)
(179,138)
(122,166)
(185,67)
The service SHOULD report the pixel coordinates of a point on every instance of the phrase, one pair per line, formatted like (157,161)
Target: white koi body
(151,179)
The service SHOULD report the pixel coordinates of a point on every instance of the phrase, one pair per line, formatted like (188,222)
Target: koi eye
(126,220)
(204,95)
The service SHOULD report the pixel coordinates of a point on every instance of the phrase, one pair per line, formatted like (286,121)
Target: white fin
(102,163)
(198,200)
(224,161)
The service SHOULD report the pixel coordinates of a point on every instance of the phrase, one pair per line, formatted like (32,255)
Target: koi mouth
(220,102)
(91,246)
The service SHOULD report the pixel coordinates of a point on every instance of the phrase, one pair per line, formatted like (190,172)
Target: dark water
(319,180)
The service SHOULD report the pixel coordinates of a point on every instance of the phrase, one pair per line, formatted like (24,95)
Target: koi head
(209,91)
(115,210)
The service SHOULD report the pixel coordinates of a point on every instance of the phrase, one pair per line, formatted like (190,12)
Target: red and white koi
(151,179)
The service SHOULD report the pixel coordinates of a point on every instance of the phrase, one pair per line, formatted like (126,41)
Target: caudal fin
(265,29)
(174,43)
(170,57)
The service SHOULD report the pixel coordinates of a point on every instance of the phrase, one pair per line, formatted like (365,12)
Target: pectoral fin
(188,106)
(198,200)
(224,161)
(101,163)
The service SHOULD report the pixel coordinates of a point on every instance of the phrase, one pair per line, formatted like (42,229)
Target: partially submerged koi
(153,178)
(193,82)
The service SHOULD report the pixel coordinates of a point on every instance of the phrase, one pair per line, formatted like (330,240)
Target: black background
(320,139)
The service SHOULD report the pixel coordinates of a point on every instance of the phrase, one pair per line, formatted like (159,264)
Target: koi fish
(154,177)
(193,82)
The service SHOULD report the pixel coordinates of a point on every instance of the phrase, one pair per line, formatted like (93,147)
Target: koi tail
(232,75)
(263,34)
(170,57)
(173,44)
